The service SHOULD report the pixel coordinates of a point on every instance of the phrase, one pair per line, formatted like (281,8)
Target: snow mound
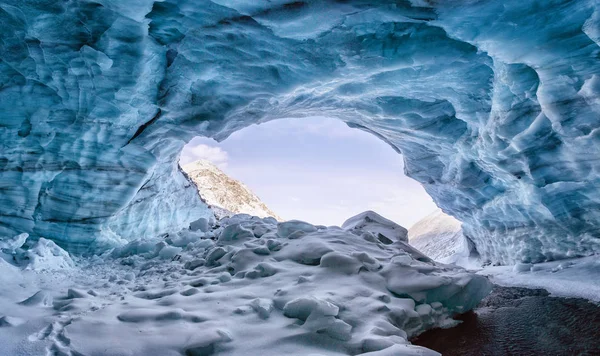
(386,230)
(46,255)
(247,286)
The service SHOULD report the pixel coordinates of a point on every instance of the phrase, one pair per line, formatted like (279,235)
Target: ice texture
(494,105)
(326,291)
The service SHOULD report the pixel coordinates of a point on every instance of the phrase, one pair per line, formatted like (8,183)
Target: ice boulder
(385,230)
(46,255)
(12,244)
(200,224)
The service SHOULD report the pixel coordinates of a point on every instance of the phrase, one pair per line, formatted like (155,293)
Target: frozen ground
(440,237)
(246,286)
(576,277)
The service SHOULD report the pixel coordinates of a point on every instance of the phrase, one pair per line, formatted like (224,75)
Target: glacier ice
(494,105)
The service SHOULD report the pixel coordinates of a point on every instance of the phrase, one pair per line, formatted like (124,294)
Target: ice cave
(107,248)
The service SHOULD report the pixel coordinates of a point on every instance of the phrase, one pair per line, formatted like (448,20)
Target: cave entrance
(315,169)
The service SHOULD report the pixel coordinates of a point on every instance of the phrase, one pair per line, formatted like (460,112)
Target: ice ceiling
(494,104)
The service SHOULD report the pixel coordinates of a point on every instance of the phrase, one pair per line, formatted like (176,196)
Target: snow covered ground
(577,277)
(245,286)
(440,237)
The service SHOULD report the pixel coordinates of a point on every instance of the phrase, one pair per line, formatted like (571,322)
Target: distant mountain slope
(437,235)
(224,193)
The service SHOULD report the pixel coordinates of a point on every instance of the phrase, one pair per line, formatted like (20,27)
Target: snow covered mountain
(439,236)
(224,194)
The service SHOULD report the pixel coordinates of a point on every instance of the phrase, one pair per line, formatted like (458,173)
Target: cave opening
(315,169)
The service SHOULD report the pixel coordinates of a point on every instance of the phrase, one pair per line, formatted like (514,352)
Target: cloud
(216,155)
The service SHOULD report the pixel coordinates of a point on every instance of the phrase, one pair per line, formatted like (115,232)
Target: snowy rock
(194,264)
(263,307)
(341,263)
(273,245)
(13,243)
(305,252)
(200,224)
(8,321)
(39,298)
(46,255)
(235,232)
(302,308)
(73,293)
(319,316)
(522,267)
(168,252)
(386,230)
(214,255)
(206,343)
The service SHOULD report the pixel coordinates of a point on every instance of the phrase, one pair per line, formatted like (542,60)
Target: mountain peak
(222,192)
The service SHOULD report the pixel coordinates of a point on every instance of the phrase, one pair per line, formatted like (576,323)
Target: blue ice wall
(494,104)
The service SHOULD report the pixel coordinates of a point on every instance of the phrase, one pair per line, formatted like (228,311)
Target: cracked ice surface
(237,289)
(494,105)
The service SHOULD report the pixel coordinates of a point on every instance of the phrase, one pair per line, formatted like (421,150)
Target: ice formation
(494,105)
(240,288)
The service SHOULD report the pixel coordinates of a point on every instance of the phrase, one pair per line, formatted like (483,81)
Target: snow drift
(246,286)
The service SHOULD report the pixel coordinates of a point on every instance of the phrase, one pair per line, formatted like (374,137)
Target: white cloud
(216,155)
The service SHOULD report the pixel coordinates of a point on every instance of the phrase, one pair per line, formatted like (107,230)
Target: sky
(317,170)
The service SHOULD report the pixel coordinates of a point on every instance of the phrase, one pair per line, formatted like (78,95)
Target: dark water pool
(519,321)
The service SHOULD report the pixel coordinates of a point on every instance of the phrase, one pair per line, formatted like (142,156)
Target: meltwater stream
(519,321)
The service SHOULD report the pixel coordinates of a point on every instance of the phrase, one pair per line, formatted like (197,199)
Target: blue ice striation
(495,106)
